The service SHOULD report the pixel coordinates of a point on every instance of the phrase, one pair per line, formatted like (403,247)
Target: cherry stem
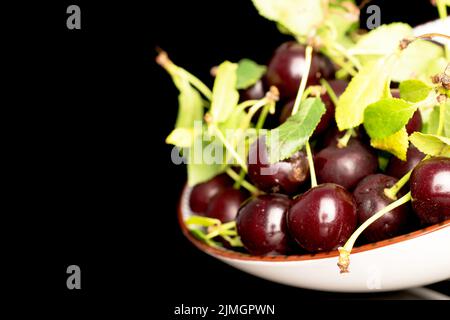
(307,66)
(312,171)
(355,62)
(330,91)
(442,8)
(441,119)
(245,184)
(228,146)
(342,142)
(214,231)
(163,60)
(344,252)
(391,192)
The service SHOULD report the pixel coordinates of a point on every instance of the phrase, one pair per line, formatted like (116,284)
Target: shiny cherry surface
(254,92)
(286,66)
(284,176)
(202,193)
(225,205)
(430,190)
(370,198)
(345,166)
(322,218)
(261,225)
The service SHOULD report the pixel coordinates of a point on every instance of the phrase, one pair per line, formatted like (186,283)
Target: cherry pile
(292,215)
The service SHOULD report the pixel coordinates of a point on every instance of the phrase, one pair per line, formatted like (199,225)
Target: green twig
(245,184)
(307,66)
(312,171)
(344,252)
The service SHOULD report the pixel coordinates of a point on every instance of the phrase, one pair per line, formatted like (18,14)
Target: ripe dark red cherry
(284,176)
(322,218)
(345,166)
(430,190)
(255,92)
(327,119)
(370,198)
(398,168)
(225,205)
(202,193)
(415,123)
(261,225)
(286,66)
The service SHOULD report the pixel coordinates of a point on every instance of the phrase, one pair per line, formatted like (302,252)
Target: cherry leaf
(431,144)
(300,17)
(224,96)
(414,61)
(367,87)
(414,90)
(387,116)
(190,109)
(397,144)
(447,119)
(248,73)
(292,135)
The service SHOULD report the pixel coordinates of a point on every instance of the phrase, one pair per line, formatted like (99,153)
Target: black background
(97,187)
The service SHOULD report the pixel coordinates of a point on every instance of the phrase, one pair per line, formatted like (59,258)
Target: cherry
(398,168)
(254,92)
(284,176)
(345,166)
(415,123)
(430,190)
(202,193)
(225,205)
(286,66)
(323,218)
(327,119)
(370,198)
(261,225)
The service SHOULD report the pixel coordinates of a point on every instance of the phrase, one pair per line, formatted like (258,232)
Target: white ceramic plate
(412,260)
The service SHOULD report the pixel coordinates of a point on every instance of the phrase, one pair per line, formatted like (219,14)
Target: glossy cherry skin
(225,205)
(345,166)
(202,193)
(254,92)
(370,198)
(327,119)
(430,190)
(322,218)
(398,168)
(261,225)
(281,177)
(286,67)
(415,123)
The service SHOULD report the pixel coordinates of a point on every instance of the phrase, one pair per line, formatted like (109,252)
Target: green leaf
(367,87)
(397,144)
(387,116)
(300,17)
(414,90)
(225,96)
(431,144)
(292,135)
(417,60)
(205,159)
(190,109)
(381,41)
(431,126)
(248,73)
